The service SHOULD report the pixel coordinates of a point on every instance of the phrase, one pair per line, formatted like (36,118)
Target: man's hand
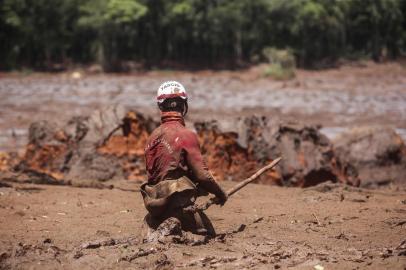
(221,198)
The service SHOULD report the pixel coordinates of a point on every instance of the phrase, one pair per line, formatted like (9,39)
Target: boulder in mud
(378,153)
(238,149)
(107,145)
(47,150)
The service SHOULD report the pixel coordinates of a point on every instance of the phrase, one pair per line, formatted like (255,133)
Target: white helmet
(170,89)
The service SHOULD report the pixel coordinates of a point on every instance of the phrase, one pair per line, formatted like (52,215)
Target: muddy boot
(203,224)
(149,226)
(197,223)
(200,228)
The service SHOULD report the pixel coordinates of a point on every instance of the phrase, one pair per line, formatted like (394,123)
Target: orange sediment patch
(46,159)
(4,161)
(227,160)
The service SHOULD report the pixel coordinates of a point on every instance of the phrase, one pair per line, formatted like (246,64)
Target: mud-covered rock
(378,153)
(106,145)
(250,142)
(93,166)
(109,144)
(47,149)
(227,158)
(308,155)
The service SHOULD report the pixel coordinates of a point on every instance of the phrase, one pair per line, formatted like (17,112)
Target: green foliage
(108,19)
(284,58)
(100,13)
(277,72)
(375,25)
(281,64)
(38,30)
(197,33)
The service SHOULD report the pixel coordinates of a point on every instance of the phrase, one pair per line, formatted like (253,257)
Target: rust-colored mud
(128,145)
(5,162)
(46,159)
(226,158)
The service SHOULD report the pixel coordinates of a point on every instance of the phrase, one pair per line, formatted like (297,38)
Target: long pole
(236,188)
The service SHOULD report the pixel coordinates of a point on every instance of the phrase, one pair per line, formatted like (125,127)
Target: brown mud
(261,227)
(337,98)
(53,132)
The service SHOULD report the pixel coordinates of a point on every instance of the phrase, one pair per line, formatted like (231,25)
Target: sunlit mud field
(324,227)
(336,99)
(70,199)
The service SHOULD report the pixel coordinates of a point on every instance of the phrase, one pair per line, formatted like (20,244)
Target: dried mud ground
(262,227)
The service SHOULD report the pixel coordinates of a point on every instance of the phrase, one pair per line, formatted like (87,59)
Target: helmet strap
(161,108)
(185,109)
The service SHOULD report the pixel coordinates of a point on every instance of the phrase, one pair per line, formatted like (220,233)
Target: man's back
(165,150)
(173,151)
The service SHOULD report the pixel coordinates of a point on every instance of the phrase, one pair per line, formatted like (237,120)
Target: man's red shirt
(172,151)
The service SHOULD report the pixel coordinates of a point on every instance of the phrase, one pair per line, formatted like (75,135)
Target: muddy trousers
(185,195)
(197,223)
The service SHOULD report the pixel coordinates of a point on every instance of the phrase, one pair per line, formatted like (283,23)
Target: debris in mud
(258,219)
(327,186)
(170,227)
(45,250)
(108,242)
(98,243)
(47,241)
(77,254)
(87,149)
(140,253)
(343,236)
(109,144)
(401,248)
(104,242)
(378,153)
(162,263)
(318,267)
(308,155)
(170,231)
(211,261)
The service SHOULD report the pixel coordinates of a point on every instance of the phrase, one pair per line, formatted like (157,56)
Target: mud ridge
(109,145)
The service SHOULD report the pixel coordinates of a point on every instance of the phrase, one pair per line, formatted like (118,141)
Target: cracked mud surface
(262,227)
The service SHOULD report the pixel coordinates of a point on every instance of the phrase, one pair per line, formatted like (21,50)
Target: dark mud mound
(107,145)
(378,153)
(110,144)
(235,150)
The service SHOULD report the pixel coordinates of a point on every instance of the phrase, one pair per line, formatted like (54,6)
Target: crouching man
(177,174)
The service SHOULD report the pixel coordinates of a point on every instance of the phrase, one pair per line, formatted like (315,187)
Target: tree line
(42,34)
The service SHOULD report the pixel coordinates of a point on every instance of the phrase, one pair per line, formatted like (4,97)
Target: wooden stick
(253,177)
(236,188)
